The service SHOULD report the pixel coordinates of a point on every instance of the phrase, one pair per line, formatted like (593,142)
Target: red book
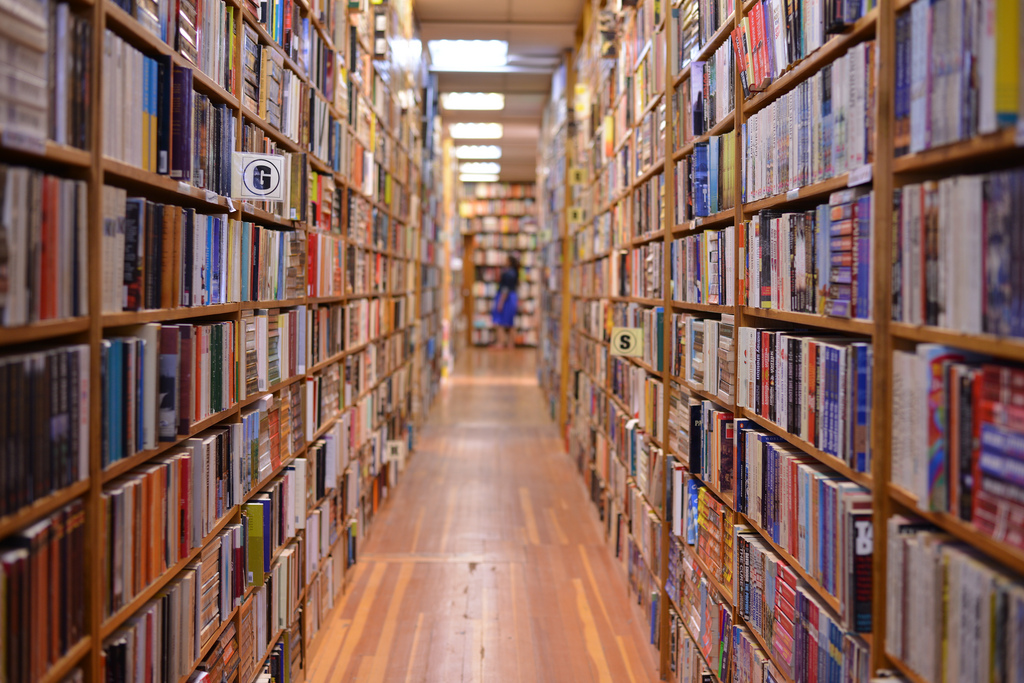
(757,33)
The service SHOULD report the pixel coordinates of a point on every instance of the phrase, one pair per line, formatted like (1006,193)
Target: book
(45,603)
(46,428)
(44,271)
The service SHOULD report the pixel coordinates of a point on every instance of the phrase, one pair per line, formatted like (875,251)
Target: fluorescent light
(468,55)
(473,101)
(478,152)
(476,131)
(479,177)
(480,167)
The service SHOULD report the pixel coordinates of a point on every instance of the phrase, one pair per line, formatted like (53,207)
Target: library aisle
(488,565)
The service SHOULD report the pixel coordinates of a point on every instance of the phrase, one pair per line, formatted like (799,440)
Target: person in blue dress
(506,303)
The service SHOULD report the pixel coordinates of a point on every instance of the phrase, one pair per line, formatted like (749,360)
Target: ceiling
(538,33)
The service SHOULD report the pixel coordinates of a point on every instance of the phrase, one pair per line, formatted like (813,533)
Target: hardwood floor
(488,563)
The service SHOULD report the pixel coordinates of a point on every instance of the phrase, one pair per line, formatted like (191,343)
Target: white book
(919,63)
(299,505)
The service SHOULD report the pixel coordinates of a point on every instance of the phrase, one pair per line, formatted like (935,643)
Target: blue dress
(506,315)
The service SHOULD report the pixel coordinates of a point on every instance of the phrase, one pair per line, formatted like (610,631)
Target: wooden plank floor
(488,564)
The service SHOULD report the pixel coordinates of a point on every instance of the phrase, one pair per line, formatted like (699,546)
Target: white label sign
(627,341)
(258,177)
(396,453)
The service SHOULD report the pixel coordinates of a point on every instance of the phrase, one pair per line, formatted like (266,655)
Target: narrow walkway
(488,565)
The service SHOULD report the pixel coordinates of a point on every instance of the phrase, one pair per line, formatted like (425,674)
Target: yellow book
(254,543)
(1007,64)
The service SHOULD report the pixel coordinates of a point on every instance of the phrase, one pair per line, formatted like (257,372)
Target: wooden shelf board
(43,330)
(862,29)
(945,159)
(717,38)
(703,308)
(819,190)
(124,465)
(161,187)
(1003,553)
(1006,348)
(834,463)
(47,151)
(166,314)
(66,664)
(42,507)
(825,322)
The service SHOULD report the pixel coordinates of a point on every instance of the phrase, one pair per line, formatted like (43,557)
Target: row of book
(513,241)
(774,35)
(821,129)
(325,261)
(639,272)
(164,256)
(159,380)
(704,614)
(936,102)
(650,320)
(497,208)
(642,393)
(50,49)
(816,261)
(648,212)
(817,388)
(712,87)
(649,137)
(705,182)
(274,344)
(820,519)
(961,445)
(702,353)
(202,32)
(973,606)
(804,635)
(157,122)
(42,594)
(43,270)
(944,229)
(44,423)
(702,267)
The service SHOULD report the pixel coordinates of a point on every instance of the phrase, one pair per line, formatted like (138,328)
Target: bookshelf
(497,220)
(354,308)
(647,245)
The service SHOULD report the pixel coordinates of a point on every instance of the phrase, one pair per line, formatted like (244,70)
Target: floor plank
(488,564)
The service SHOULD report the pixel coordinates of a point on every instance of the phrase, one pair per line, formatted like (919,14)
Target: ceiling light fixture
(473,101)
(467,55)
(478,152)
(476,131)
(485,167)
(479,177)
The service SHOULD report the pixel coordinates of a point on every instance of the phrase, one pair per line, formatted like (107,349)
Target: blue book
(862,430)
(862,246)
(700,179)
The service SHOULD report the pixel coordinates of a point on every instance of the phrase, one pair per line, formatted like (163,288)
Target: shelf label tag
(396,453)
(793,194)
(859,176)
(575,215)
(212,197)
(231,205)
(576,175)
(628,341)
(24,143)
(184,188)
(258,177)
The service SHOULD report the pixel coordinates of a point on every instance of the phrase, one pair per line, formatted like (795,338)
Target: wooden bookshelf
(607,93)
(409,218)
